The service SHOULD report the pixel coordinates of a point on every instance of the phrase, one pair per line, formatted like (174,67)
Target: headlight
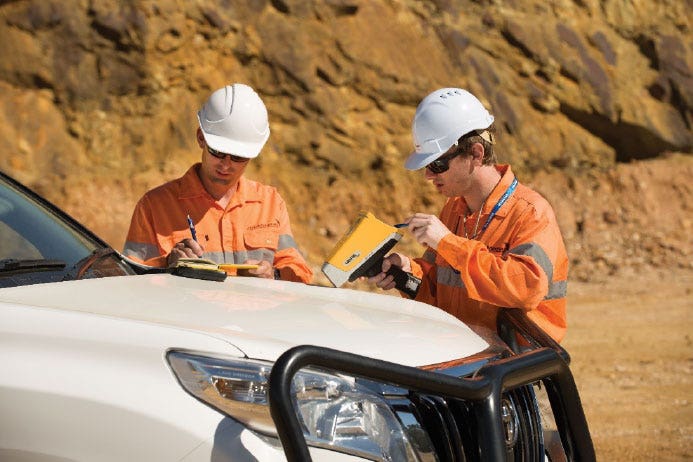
(335,412)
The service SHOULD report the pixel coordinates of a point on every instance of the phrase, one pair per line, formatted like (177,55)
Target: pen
(192,228)
(401,225)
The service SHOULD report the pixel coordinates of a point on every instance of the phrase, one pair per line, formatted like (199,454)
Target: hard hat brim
(237,148)
(417,161)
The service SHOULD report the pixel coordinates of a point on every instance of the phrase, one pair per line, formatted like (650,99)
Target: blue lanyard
(508,192)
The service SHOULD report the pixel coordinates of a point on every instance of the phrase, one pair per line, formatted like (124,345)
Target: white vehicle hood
(264,318)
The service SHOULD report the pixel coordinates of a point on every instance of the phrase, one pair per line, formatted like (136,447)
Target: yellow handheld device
(360,252)
(199,268)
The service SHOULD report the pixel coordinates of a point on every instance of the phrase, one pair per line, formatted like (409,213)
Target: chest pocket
(261,239)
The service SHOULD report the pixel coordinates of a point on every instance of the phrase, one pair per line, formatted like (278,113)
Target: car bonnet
(264,318)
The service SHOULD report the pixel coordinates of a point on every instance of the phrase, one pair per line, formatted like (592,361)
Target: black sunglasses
(221,155)
(442,164)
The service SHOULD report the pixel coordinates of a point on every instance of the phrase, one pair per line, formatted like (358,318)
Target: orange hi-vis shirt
(254,226)
(519,261)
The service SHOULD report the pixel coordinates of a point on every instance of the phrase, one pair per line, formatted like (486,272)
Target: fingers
(387,264)
(401,260)
(427,229)
(383,280)
(192,246)
(187,248)
(264,269)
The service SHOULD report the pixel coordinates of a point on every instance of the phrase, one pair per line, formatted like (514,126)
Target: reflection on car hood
(264,318)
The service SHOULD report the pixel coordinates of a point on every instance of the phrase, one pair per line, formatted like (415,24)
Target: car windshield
(39,243)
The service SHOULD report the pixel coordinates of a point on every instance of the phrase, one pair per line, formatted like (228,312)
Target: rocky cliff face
(98,103)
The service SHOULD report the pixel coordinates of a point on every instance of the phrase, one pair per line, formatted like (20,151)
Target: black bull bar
(543,360)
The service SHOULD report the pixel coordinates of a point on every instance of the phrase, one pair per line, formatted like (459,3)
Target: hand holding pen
(186,248)
(427,229)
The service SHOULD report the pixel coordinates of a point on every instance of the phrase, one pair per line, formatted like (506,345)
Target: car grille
(452,430)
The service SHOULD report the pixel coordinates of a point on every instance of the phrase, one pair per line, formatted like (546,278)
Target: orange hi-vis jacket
(254,226)
(519,261)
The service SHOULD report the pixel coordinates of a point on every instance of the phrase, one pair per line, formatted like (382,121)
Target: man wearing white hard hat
(214,211)
(496,242)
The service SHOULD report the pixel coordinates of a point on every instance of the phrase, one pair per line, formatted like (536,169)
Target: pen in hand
(192,228)
(401,225)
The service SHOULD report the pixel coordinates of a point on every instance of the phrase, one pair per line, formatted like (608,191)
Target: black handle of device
(405,282)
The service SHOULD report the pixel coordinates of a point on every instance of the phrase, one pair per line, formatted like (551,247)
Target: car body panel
(84,386)
(265,318)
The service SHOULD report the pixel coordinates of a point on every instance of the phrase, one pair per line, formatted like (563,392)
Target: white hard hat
(234,121)
(441,119)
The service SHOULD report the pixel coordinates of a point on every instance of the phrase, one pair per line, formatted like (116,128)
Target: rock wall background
(592,99)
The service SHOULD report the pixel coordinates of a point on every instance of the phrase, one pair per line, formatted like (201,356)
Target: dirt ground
(631,347)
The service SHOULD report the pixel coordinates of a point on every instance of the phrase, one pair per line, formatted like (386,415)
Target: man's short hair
(485,137)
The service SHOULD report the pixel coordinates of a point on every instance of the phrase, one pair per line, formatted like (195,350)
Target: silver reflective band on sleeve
(537,253)
(141,251)
(558,289)
(447,275)
(286,241)
(429,256)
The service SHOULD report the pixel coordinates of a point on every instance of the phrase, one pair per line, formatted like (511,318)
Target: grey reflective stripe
(140,250)
(429,256)
(448,276)
(147,251)
(537,253)
(240,256)
(558,289)
(286,241)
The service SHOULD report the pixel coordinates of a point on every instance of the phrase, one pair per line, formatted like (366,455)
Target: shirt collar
(191,187)
(245,192)
(190,184)
(507,178)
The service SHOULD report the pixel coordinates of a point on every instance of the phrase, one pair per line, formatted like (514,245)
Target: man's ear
(477,152)
(200,138)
